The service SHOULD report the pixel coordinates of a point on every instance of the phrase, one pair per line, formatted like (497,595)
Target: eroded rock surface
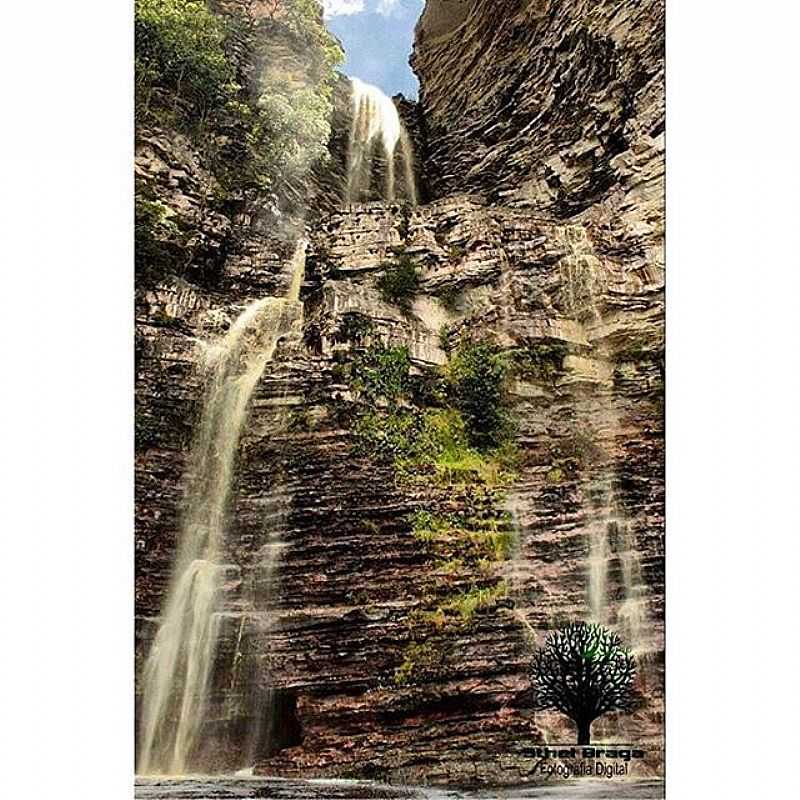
(545,155)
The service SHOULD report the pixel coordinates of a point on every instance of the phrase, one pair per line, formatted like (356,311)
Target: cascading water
(377,126)
(632,614)
(179,666)
(611,534)
(610,531)
(598,570)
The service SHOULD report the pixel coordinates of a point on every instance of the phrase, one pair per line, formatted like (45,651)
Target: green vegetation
(501,543)
(371,527)
(455,611)
(454,458)
(466,604)
(288,127)
(419,660)
(542,361)
(300,419)
(399,281)
(478,374)
(462,439)
(354,328)
(424,656)
(479,534)
(180,48)
(446,437)
(430,445)
(258,135)
(427,525)
(381,373)
(183,68)
(391,436)
(446,434)
(287,134)
(429,389)
(445,333)
(159,241)
(449,298)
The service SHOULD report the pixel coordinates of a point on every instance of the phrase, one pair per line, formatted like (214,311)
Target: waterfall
(377,126)
(179,666)
(407,156)
(632,614)
(598,571)
(610,532)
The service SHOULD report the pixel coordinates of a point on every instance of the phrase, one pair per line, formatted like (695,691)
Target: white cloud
(339,8)
(387,6)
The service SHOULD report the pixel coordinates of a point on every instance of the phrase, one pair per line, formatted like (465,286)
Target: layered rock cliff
(379,621)
(552,105)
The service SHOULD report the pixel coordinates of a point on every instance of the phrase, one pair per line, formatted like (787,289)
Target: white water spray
(632,614)
(179,667)
(377,125)
(598,571)
(610,531)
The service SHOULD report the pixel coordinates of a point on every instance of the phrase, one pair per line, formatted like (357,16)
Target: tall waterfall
(611,535)
(377,127)
(179,666)
(610,532)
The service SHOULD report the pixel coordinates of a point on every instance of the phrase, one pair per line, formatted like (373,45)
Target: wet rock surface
(332,629)
(546,232)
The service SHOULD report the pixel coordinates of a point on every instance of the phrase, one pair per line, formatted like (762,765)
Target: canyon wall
(356,641)
(552,105)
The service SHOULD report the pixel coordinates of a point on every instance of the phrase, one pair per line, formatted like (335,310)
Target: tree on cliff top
(252,96)
(273,130)
(584,671)
(180,48)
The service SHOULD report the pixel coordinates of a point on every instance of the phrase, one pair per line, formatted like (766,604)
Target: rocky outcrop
(332,631)
(540,141)
(590,434)
(559,108)
(540,102)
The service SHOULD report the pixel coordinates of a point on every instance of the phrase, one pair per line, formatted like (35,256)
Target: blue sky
(377,36)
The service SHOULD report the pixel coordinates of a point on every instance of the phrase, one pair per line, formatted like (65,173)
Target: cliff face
(556,110)
(548,104)
(590,440)
(357,637)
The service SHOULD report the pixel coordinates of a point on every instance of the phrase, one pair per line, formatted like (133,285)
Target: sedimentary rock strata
(540,141)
